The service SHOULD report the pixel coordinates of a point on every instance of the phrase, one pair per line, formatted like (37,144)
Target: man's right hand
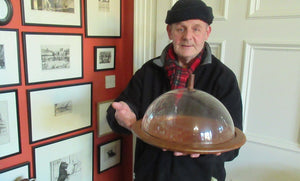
(124,116)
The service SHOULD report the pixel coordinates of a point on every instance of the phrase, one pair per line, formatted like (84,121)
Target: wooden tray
(236,142)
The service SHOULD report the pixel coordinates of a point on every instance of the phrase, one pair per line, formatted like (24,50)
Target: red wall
(123,72)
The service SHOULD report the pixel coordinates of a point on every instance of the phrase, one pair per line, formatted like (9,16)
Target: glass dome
(187,117)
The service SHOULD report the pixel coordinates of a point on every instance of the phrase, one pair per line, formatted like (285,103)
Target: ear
(169,30)
(208,31)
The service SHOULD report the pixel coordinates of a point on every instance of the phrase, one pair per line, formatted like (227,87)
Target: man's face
(188,38)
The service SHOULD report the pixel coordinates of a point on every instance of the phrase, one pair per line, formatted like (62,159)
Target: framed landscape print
(52,57)
(65,109)
(9,124)
(109,155)
(15,173)
(9,57)
(68,159)
(105,58)
(103,127)
(103,18)
(51,13)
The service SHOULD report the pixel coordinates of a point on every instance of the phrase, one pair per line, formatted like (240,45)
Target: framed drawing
(6,10)
(52,57)
(65,109)
(9,57)
(103,127)
(15,173)
(70,158)
(103,18)
(51,13)
(105,58)
(9,124)
(109,155)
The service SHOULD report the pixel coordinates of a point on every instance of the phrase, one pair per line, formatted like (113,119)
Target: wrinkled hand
(193,155)
(124,116)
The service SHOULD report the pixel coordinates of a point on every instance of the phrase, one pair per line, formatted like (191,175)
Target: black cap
(189,9)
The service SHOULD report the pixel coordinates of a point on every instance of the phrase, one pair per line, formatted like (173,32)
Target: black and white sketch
(67,168)
(66,6)
(63,108)
(4,129)
(2,57)
(109,155)
(104,5)
(105,57)
(55,57)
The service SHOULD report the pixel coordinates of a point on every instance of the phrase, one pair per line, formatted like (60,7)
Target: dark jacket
(149,82)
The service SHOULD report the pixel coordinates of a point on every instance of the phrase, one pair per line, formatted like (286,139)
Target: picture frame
(65,109)
(109,155)
(7,11)
(103,126)
(52,57)
(18,172)
(52,13)
(9,58)
(103,18)
(9,124)
(105,58)
(71,157)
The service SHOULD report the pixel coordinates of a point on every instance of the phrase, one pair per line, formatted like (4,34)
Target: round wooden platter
(236,142)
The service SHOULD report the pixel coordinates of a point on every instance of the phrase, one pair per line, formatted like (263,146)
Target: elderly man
(188,26)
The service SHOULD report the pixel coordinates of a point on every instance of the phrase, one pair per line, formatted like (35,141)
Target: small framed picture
(109,155)
(105,57)
(103,127)
(9,124)
(14,173)
(52,57)
(67,159)
(9,57)
(65,109)
(103,18)
(51,13)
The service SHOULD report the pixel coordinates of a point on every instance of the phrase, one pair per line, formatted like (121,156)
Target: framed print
(109,155)
(103,18)
(68,159)
(16,173)
(9,124)
(65,109)
(9,57)
(51,13)
(103,127)
(105,58)
(52,57)
(6,11)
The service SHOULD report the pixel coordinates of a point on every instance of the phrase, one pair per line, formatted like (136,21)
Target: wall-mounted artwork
(15,173)
(109,155)
(51,13)
(103,18)
(63,109)
(103,127)
(105,57)
(6,10)
(52,57)
(9,124)
(68,159)
(9,57)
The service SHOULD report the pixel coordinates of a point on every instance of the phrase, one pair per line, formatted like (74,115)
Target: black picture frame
(20,171)
(104,58)
(9,12)
(10,143)
(110,154)
(66,108)
(52,13)
(103,19)
(55,52)
(77,151)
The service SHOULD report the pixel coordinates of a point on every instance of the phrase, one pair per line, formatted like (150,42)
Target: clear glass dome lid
(188,117)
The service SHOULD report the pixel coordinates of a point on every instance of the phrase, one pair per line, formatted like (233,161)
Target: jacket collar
(160,61)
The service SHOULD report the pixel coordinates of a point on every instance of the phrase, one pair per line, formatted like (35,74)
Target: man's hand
(124,116)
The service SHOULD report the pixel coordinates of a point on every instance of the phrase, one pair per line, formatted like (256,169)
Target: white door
(260,41)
